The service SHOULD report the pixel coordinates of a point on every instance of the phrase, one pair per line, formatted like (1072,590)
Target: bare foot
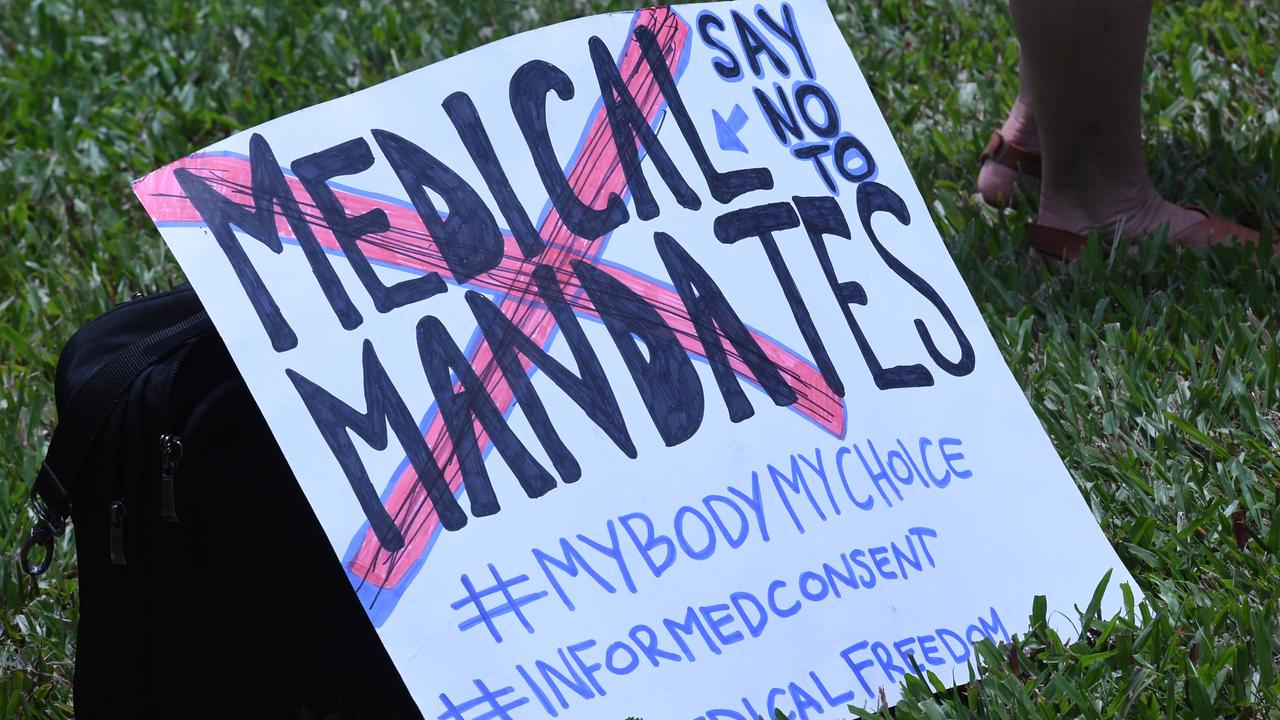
(1063,222)
(1131,211)
(999,184)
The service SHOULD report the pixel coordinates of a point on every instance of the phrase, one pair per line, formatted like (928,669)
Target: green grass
(1157,376)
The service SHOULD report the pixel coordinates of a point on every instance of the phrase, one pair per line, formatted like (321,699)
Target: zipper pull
(117,532)
(170,455)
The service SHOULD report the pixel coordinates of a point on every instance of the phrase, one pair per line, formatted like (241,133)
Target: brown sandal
(1066,246)
(1002,152)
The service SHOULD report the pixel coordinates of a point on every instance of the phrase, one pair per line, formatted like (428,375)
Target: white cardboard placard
(756,448)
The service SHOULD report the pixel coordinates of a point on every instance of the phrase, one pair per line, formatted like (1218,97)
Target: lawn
(1156,374)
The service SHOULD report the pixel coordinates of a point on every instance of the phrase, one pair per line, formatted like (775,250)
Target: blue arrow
(727,130)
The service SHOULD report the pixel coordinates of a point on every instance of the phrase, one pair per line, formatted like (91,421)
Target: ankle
(1019,128)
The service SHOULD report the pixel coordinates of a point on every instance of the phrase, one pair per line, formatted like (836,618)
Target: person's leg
(1084,60)
(997,183)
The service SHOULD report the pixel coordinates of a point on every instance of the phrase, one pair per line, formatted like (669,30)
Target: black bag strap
(78,426)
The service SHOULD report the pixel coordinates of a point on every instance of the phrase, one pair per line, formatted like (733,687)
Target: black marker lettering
(830,126)
(762,222)
(783,125)
(466,121)
(873,198)
(789,32)
(269,189)
(660,367)
(845,145)
(724,186)
(464,408)
(590,390)
(336,421)
(712,318)
(350,158)
(822,216)
(729,68)
(754,44)
(469,239)
(630,127)
(814,152)
(528,94)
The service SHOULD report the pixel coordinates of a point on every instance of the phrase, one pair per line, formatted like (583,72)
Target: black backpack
(207,586)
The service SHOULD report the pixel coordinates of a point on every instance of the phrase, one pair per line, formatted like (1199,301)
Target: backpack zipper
(117,532)
(170,443)
(170,455)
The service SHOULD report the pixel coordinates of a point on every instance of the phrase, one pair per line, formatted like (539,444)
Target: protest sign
(627,374)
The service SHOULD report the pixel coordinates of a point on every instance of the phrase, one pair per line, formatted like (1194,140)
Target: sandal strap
(1055,243)
(1004,153)
(1213,230)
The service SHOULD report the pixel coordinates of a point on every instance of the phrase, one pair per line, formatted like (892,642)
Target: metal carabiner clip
(44,532)
(40,535)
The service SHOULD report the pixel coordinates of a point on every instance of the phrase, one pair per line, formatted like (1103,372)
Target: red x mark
(595,174)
